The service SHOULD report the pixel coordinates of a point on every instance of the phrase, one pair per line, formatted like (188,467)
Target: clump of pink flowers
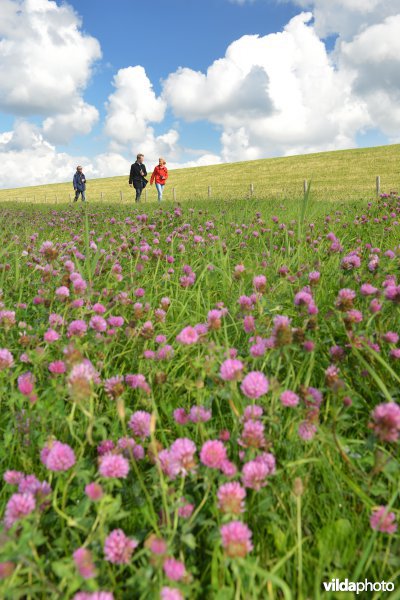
(57,456)
(138,381)
(188,336)
(255,472)
(169,593)
(182,453)
(118,548)
(6,359)
(236,539)
(231,369)
(26,384)
(289,398)
(84,563)
(94,491)
(82,378)
(213,454)
(77,328)
(113,466)
(94,596)
(252,435)
(231,497)
(174,569)
(139,423)
(383,520)
(254,385)
(18,507)
(386,422)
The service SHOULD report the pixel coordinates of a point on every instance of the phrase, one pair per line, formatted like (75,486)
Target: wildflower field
(199,401)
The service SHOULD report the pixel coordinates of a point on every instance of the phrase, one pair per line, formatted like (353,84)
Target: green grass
(339,175)
(304,533)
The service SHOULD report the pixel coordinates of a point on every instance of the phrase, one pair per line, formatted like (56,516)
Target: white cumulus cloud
(348,17)
(132,106)
(46,62)
(60,129)
(204,160)
(272,95)
(278,94)
(131,109)
(373,57)
(27,158)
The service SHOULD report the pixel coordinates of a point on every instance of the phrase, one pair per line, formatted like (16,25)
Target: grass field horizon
(335,175)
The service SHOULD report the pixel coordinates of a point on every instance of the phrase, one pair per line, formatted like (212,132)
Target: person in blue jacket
(79,183)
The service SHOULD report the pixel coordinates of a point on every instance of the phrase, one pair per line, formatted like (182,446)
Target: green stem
(202,503)
(300,549)
(70,522)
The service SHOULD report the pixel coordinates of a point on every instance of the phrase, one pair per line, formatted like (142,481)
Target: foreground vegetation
(199,401)
(339,175)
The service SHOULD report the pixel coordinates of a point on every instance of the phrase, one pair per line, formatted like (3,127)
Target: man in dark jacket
(79,183)
(137,176)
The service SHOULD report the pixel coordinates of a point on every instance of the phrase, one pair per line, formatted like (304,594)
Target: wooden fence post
(120,195)
(101,195)
(251,189)
(305,186)
(174,194)
(145,194)
(209,191)
(378,185)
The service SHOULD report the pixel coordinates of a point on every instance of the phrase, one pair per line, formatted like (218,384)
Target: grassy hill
(339,175)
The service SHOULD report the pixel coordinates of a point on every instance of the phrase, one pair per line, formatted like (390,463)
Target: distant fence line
(248,190)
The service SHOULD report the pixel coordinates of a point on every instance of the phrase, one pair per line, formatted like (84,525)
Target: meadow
(199,401)
(338,175)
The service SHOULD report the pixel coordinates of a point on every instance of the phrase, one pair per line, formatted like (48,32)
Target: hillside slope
(343,174)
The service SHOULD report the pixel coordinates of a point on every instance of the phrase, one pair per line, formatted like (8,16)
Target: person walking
(79,183)
(137,176)
(160,175)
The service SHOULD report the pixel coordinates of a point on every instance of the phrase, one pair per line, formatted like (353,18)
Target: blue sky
(181,33)
(200,83)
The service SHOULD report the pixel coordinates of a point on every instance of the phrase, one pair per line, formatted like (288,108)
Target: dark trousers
(139,188)
(83,194)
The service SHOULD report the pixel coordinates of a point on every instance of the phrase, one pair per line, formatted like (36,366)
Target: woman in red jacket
(160,174)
